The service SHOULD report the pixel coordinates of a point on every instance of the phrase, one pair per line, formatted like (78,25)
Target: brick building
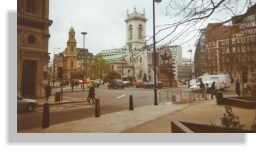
(228,48)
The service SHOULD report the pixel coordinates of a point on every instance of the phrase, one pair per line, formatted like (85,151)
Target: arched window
(140,59)
(130,32)
(140,74)
(140,31)
(71,48)
(31,6)
(129,71)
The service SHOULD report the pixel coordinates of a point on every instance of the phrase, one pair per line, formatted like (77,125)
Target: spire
(72,28)
(135,9)
(143,10)
(127,12)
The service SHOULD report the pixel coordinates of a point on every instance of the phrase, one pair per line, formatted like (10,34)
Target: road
(111,100)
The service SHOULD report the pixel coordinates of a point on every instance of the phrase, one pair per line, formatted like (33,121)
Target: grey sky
(103,20)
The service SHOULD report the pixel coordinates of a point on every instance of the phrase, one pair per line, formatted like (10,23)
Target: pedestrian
(202,88)
(72,85)
(91,94)
(237,87)
(47,91)
(213,89)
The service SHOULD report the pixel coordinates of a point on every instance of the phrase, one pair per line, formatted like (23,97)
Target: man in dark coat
(213,89)
(237,88)
(91,94)
(47,92)
(202,88)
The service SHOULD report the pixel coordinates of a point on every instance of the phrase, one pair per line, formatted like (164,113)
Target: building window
(31,6)
(209,56)
(238,58)
(71,64)
(233,41)
(130,32)
(31,39)
(238,40)
(71,48)
(140,59)
(238,49)
(227,42)
(129,71)
(248,39)
(140,74)
(228,50)
(140,31)
(223,51)
(243,49)
(223,59)
(234,49)
(243,40)
(223,42)
(248,48)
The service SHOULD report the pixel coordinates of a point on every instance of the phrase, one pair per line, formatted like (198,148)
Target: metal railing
(181,95)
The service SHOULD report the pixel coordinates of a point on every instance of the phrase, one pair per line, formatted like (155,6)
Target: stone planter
(242,102)
(193,127)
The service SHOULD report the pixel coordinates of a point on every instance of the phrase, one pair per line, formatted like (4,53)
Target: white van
(222,81)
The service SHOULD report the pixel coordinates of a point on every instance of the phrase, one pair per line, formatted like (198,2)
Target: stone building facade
(32,46)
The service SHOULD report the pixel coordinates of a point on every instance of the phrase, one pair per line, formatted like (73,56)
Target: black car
(116,83)
(150,85)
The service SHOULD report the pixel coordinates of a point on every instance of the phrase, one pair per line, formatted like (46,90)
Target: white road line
(120,96)
(55,110)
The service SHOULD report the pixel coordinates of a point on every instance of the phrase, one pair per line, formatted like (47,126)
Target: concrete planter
(193,127)
(242,102)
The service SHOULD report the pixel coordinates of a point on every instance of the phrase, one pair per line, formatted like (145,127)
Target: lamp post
(154,41)
(83,33)
(54,65)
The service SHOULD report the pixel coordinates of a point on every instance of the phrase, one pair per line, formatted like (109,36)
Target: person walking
(213,89)
(237,87)
(91,94)
(72,85)
(202,88)
(47,92)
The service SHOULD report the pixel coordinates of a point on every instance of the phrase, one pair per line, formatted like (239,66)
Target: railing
(181,95)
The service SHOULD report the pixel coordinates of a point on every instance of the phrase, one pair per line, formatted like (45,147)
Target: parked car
(195,86)
(75,82)
(26,104)
(127,83)
(80,81)
(116,83)
(139,83)
(87,80)
(150,85)
(96,83)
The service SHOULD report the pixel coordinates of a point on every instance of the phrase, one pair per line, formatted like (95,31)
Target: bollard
(97,108)
(131,103)
(46,116)
(219,98)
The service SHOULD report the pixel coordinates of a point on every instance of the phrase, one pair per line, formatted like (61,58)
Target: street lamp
(54,65)
(154,41)
(83,33)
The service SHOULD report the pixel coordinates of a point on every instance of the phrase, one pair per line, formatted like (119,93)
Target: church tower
(70,55)
(135,42)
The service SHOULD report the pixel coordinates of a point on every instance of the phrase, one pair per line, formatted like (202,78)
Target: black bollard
(219,98)
(46,116)
(97,108)
(131,103)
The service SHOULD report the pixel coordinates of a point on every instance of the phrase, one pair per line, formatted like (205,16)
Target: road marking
(120,96)
(55,110)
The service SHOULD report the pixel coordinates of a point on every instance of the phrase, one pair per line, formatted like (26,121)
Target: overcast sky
(103,20)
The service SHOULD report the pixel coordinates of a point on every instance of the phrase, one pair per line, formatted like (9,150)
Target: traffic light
(245,73)
(60,73)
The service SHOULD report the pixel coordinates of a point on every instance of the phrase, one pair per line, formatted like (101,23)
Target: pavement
(146,119)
